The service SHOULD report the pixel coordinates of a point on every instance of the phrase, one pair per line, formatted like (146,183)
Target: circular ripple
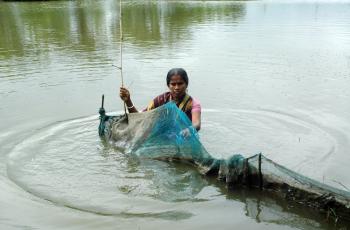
(286,139)
(68,164)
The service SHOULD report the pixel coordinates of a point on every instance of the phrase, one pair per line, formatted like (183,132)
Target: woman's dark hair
(177,71)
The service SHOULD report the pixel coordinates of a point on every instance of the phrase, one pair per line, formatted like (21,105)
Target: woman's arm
(196,120)
(125,96)
(196,114)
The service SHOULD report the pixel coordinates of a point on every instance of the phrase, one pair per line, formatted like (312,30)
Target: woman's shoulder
(158,101)
(163,96)
(196,105)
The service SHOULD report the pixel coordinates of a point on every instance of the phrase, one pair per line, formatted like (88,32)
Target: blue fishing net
(166,133)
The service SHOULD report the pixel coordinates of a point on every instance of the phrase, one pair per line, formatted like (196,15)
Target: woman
(177,82)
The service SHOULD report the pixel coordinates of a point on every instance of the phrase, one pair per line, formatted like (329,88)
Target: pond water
(272,77)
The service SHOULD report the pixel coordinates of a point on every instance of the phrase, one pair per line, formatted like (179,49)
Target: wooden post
(260,173)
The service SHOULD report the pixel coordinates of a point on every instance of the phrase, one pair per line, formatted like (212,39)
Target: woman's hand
(124,94)
(185,132)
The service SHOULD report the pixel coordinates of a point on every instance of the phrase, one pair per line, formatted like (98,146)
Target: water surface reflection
(86,26)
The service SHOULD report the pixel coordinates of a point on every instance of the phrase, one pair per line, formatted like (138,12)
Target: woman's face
(177,86)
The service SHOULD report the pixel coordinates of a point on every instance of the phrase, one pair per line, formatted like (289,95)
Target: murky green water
(272,77)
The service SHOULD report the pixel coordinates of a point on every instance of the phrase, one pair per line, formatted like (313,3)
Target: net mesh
(166,134)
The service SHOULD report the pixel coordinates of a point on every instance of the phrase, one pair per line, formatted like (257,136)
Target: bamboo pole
(121,49)
(121,41)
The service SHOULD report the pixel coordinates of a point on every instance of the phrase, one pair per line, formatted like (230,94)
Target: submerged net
(166,134)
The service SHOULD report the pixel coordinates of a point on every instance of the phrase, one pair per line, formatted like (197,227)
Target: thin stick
(103,100)
(121,49)
(121,41)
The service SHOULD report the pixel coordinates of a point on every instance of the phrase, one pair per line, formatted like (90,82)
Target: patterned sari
(185,104)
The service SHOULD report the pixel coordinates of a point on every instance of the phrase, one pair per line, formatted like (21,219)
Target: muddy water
(272,77)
